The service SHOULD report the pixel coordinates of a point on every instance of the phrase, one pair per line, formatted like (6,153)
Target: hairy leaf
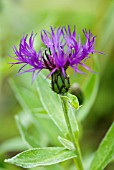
(66,143)
(51,103)
(105,152)
(41,157)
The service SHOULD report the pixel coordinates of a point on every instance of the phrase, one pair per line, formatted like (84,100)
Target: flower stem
(78,159)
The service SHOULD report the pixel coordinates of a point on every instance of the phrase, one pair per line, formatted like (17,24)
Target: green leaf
(73,101)
(41,157)
(90,90)
(25,93)
(66,143)
(51,167)
(48,127)
(29,139)
(73,121)
(105,152)
(51,103)
(71,112)
(14,144)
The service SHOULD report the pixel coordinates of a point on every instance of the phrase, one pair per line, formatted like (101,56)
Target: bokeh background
(18,17)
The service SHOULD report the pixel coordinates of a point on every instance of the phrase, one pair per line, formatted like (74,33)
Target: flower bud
(59,83)
(76,90)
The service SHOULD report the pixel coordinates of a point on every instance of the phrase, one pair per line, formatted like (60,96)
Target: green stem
(78,160)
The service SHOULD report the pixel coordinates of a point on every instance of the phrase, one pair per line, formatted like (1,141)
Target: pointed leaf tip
(41,157)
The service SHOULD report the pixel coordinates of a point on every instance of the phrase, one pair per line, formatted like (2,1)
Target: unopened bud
(76,90)
(59,83)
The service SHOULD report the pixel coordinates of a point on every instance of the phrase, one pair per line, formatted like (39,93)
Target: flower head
(62,50)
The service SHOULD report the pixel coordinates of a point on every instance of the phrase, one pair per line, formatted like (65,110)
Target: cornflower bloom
(61,51)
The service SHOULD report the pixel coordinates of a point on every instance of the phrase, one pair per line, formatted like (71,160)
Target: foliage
(35,119)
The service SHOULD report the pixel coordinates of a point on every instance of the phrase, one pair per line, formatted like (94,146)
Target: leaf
(29,139)
(90,92)
(47,126)
(51,167)
(51,103)
(25,93)
(73,101)
(14,144)
(105,152)
(41,157)
(71,112)
(66,143)
(73,122)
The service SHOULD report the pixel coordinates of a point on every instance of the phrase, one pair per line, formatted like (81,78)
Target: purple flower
(62,50)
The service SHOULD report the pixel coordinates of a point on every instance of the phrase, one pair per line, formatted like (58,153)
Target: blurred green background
(18,17)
